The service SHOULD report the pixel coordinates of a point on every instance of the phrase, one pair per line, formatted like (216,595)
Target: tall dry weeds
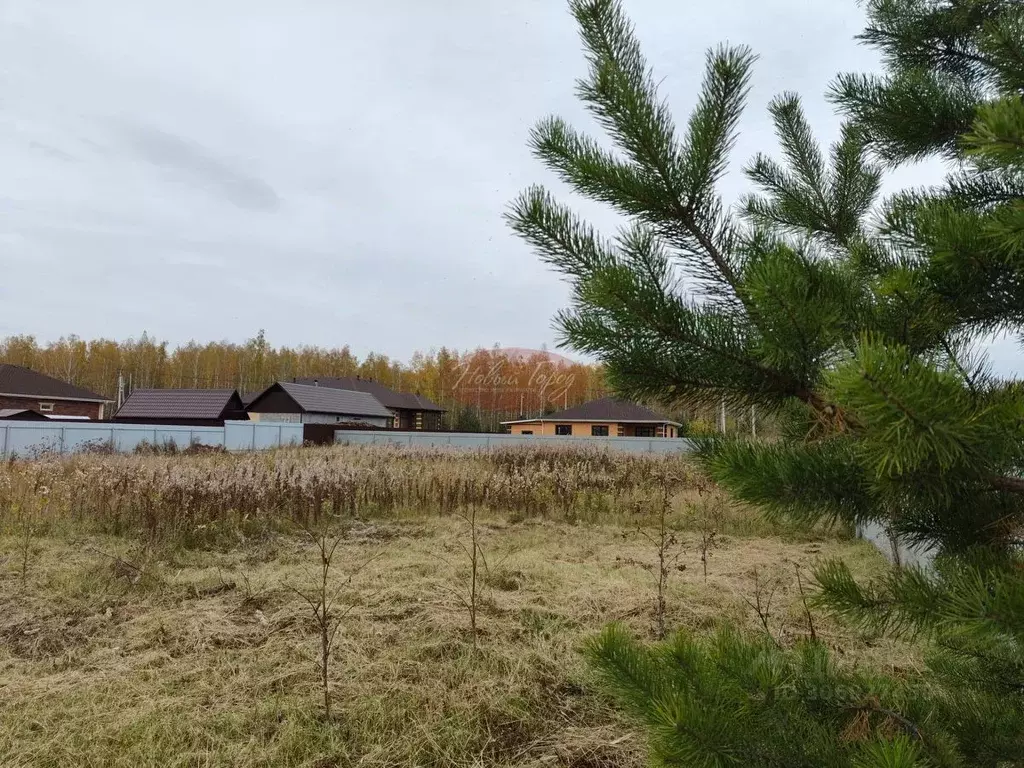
(202,498)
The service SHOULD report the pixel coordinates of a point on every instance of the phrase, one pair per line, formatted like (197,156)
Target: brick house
(21,388)
(607,417)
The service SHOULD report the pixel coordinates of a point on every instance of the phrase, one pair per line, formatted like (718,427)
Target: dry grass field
(150,615)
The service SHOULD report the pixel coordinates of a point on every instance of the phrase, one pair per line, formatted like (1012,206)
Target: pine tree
(853,321)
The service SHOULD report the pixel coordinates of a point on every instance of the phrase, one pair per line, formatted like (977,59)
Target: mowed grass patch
(115,653)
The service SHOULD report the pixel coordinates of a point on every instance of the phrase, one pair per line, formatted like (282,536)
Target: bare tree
(477,560)
(803,600)
(322,600)
(761,603)
(669,550)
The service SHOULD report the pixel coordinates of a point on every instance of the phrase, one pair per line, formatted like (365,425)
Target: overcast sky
(332,171)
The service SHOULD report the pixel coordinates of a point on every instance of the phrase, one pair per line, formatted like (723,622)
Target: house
(289,402)
(188,407)
(410,411)
(25,389)
(20,414)
(607,417)
(248,397)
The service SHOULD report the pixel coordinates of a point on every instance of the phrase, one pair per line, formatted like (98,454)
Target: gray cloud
(332,172)
(194,164)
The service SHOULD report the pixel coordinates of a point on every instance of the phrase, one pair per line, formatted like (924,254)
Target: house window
(46,407)
(563,429)
(644,431)
(526,432)
(599,431)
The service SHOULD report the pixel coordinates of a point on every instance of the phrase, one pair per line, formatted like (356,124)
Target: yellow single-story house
(607,417)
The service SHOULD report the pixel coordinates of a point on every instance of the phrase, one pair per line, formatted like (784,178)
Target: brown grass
(126,651)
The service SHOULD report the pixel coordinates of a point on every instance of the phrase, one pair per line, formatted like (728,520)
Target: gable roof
(179,404)
(23,382)
(341,402)
(21,414)
(389,398)
(605,409)
(248,397)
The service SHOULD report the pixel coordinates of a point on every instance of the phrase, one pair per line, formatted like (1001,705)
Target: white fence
(475,440)
(31,438)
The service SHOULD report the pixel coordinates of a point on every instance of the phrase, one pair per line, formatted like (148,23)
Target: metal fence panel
(238,435)
(28,439)
(22,440)
(266,436)
(181,437)
(471,440)
(132,436)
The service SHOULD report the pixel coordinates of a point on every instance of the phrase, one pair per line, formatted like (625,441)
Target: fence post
(6,431)
(280,435)
(63,439)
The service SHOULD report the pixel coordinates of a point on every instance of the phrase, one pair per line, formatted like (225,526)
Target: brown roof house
(302,403)
(25,389)
(410,411)
(607,417)
(188,407)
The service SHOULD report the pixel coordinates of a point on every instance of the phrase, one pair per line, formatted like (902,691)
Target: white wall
(329,418)
(277,418)
(321,418)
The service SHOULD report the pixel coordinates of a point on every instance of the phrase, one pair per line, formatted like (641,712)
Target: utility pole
(120,389)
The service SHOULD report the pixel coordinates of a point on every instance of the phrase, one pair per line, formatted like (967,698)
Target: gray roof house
(288,402)
(411,410)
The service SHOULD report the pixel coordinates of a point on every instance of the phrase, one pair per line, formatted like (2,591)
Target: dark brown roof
(387,397)
(606,409)
(340,402)
(248,397)
(21,414)
(15,380)
(205,404)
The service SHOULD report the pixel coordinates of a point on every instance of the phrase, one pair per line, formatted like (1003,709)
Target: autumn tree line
(479,388)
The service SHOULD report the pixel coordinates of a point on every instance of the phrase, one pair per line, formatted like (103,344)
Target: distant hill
(523,353)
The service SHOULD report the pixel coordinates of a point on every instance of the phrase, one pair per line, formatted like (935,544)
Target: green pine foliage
(854,321)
